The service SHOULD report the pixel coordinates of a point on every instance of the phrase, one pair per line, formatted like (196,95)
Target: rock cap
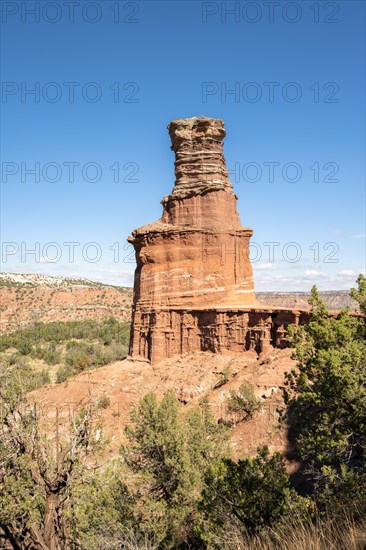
(195,129)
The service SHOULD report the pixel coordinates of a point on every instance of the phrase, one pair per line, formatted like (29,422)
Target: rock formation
(194,285)
(198,252)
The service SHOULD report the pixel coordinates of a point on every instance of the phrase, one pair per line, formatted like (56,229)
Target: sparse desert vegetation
(56,351)
(174,482)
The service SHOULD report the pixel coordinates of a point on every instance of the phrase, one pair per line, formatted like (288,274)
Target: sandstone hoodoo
(197,253)
(194,286)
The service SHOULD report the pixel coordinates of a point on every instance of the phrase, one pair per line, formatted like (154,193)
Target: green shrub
(42,378)
(63,373)
(24,347)
(79,361)
(72,344)
(15,359)
(327,399)
(49,353)
(167,456)
(83,355)
(52,357)
(105,332)
(104,402)
(243,400)
(17,369)
(253,492)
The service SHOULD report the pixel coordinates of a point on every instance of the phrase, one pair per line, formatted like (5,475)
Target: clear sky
(108,76)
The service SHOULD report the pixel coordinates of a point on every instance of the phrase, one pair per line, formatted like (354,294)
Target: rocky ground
(120,385)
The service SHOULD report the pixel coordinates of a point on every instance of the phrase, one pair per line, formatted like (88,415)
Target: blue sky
(106,85)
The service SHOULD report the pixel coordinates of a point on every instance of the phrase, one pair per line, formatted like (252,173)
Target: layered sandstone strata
(198,252)
(193,285)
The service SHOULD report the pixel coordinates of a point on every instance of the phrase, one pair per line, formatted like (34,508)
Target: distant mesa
(28,298)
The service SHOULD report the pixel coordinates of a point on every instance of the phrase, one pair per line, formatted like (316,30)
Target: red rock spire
(194,287)
(197,254)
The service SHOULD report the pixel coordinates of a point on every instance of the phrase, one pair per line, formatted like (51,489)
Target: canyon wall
(167,332)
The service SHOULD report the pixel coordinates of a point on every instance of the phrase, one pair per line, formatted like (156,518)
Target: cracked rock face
(197,254)
(199,159)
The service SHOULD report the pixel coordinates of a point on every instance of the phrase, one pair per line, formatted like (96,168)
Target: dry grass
(327,534)
(126,540)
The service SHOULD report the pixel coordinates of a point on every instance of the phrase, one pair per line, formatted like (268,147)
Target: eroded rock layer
(168,332)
